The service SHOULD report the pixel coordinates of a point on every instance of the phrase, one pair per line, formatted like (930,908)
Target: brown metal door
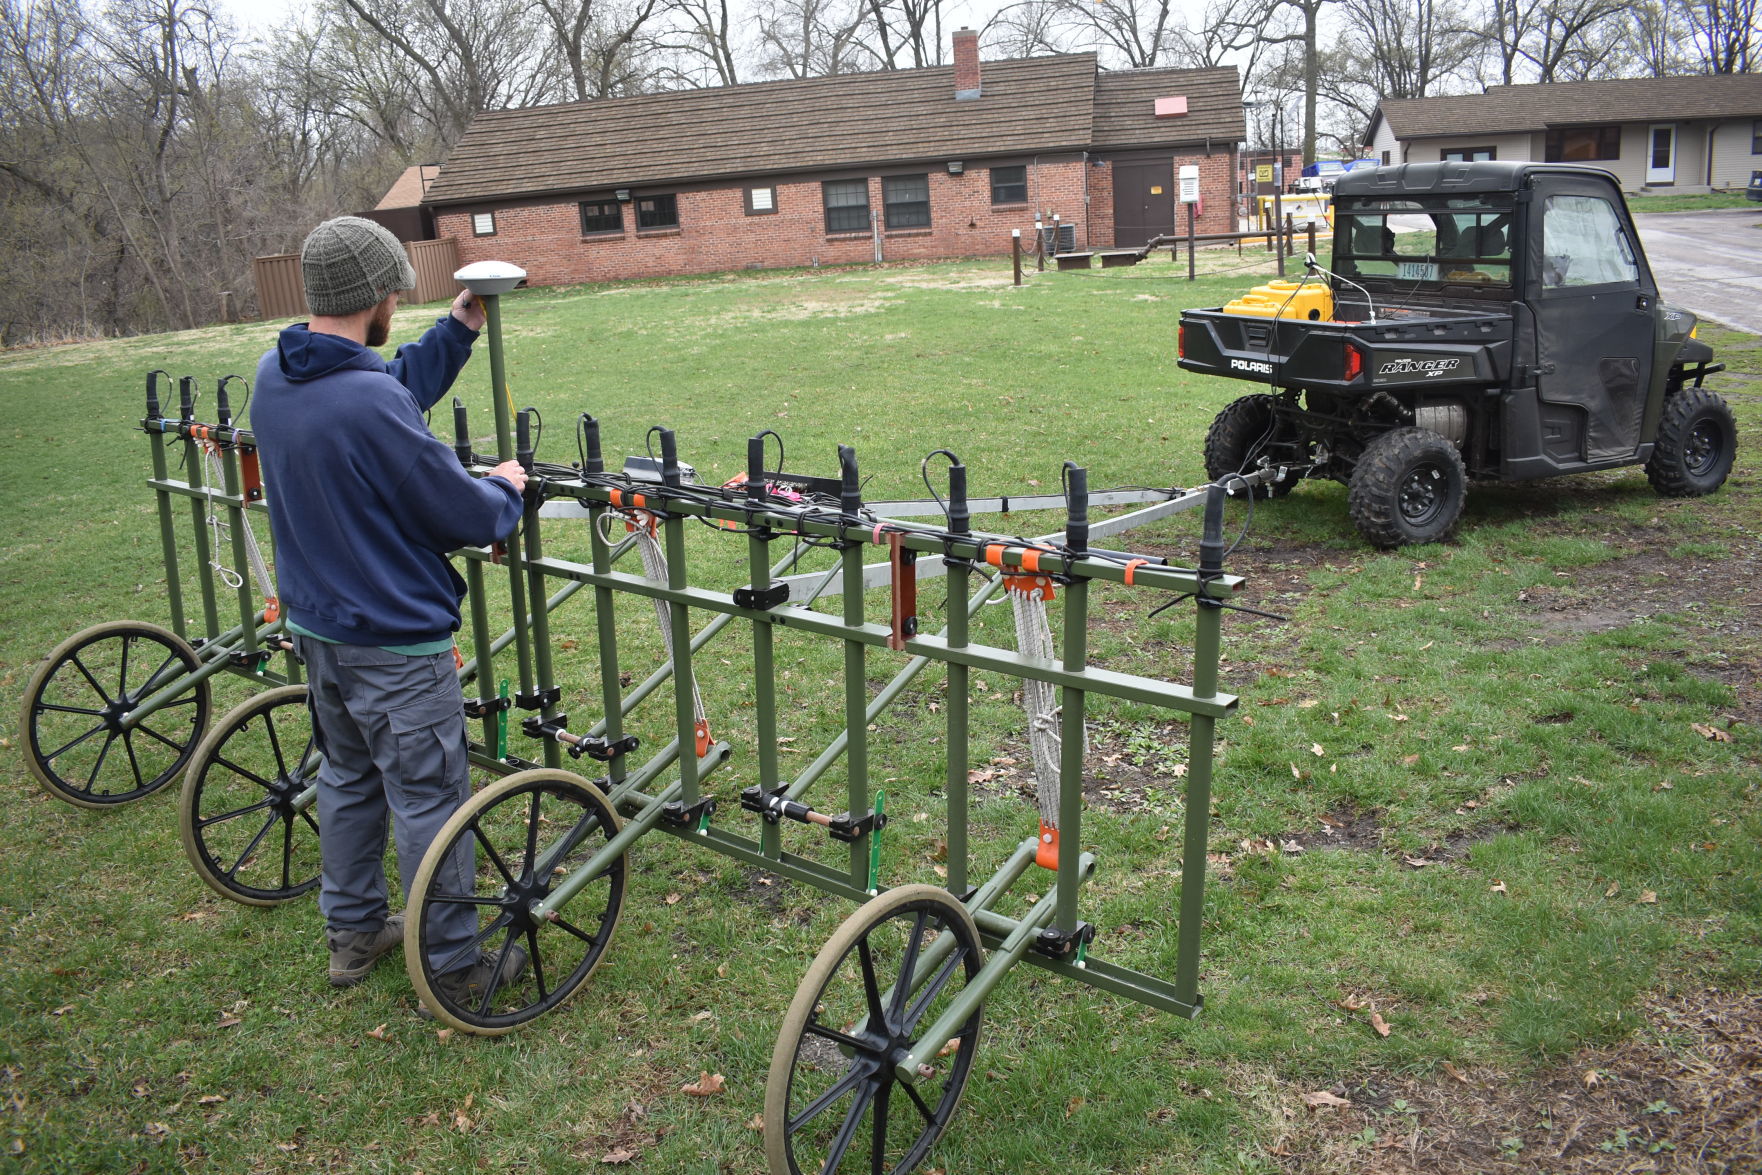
(1143,201)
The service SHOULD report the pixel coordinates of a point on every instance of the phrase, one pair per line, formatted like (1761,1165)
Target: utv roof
(1451,178)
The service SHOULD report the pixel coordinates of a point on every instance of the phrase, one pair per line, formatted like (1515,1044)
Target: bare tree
(1557,40)
(814,38)
(700,44)
(1726,34)
(602,44)
(904,34)
(1029,28)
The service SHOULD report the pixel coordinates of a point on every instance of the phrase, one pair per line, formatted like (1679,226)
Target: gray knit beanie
(350,264)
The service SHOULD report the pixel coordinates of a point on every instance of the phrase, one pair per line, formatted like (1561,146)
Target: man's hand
(468,310)
(510,472)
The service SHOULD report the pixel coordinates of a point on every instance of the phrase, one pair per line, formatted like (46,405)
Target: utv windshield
(1426,241)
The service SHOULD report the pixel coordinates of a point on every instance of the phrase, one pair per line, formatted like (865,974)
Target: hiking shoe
(354,952)
(464,989)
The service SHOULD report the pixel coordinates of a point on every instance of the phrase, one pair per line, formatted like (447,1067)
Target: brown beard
(379,330)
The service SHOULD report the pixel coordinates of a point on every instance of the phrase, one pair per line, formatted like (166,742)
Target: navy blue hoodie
(364,502)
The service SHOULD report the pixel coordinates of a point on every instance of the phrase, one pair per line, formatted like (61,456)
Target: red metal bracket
(904,562)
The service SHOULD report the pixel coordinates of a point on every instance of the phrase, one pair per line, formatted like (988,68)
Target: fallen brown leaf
(672,899)
(1710,732)
(1323,1098)
(620,1155)
(443,1034)
(229,1022)
(1592,1078)
(707,1085)
(1455,1072)
(1351,1003)
(1499,887)
(212,1099)
(756,1122)
(1377,1022)
(1417,862)
(379,1033)
(1647,898)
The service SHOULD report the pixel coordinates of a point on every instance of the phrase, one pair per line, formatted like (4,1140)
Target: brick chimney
(966,64)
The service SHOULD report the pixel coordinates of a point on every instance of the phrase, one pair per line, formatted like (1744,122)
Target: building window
(483,224)
(1470,154)
(601,216)
(1581,144)
(1009,185)
(657,212)
(847,205)
(1756,137)
(761,201)
(906,199)
(1385,158)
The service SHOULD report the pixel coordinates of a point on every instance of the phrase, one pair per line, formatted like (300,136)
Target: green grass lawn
(1497,795)
(1690,203)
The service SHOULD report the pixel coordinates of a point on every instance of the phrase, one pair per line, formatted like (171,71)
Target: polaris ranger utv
(1487,320)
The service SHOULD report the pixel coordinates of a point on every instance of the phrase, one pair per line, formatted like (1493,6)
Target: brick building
(906,164)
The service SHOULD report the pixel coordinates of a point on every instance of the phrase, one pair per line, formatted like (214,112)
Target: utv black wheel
(1240,436)
(1408,488)
(1697,443)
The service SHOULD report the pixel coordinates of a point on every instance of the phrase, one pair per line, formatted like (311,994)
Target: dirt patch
(1720,600)
(1682,1095)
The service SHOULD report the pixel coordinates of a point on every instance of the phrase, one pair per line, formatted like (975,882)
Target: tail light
(1181,342)
(1354,363)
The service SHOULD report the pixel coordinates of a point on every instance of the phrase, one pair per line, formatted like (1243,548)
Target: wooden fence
(281,294)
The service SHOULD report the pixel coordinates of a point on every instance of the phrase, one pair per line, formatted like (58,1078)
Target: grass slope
(1472,788)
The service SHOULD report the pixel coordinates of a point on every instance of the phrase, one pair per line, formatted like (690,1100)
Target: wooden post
(227,311)
(1278,227)
(1015,249)
(1191,252)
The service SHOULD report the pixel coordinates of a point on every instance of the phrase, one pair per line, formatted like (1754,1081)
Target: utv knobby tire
(1697,443)
(1409,487)
(1238,436)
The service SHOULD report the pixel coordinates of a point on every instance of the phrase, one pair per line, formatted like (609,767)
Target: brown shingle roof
(1125,104)
(1505,109)
(407,191)
(1039,104)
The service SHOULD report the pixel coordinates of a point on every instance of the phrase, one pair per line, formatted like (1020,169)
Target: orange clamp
(703,737)
(271,610)
(1034,586)
(1046,855)
(994,554)
(1131,566)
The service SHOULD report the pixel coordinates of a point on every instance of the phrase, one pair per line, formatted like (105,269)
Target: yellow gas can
(1286,299)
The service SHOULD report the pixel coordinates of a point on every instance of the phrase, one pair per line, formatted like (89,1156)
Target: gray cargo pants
(392,733)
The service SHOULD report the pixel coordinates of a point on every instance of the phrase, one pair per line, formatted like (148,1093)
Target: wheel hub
(115,711)
(1701,450)
(1420,493)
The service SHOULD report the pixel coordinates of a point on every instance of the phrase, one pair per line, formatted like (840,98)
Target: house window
(847,205)
(657,212)
(1756,137)
(761,201)
(1580,144)
(1470,154)
(1385,158)
(483,224)
(1009,185)
(906,199)
(601,216)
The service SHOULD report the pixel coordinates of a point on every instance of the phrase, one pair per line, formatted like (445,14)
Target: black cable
(924,472)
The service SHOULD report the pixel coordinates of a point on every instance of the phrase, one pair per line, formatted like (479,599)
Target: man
(364,505)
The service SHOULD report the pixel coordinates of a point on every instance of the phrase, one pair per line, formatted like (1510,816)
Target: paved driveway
(1708,262)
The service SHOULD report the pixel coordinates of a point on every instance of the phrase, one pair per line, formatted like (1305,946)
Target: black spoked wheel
(79,742)
(247,816)
(1246,435)
(833,1100)
(526,835)
(1409,487)
(1697,443)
